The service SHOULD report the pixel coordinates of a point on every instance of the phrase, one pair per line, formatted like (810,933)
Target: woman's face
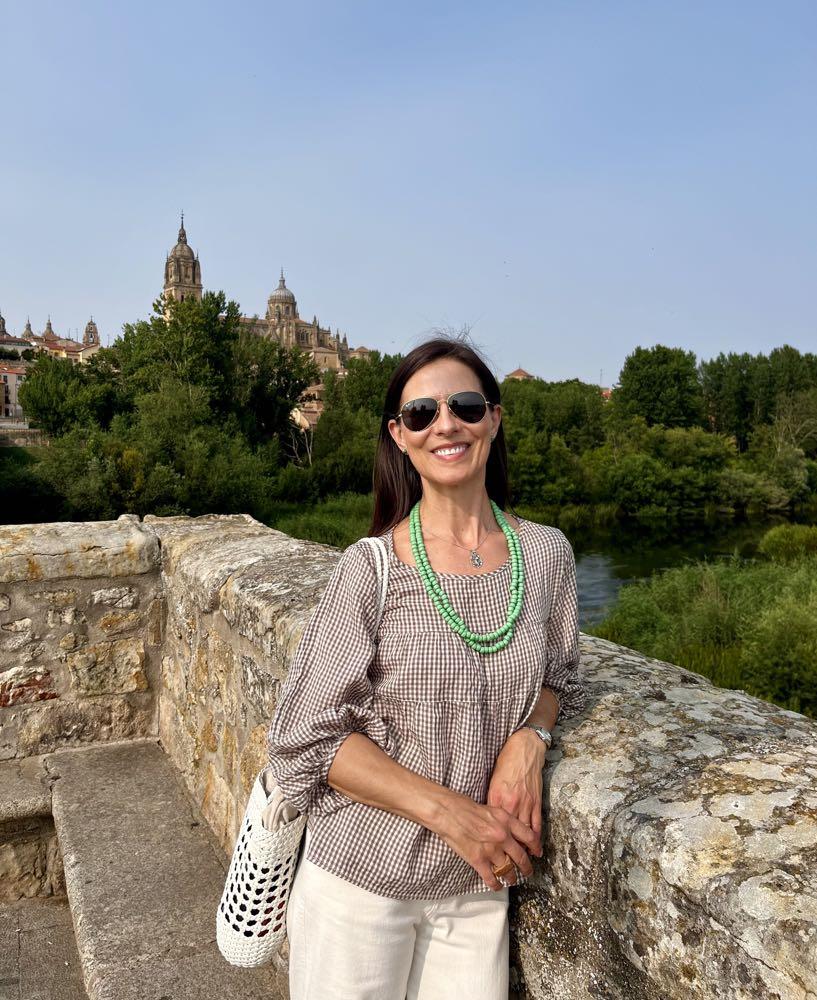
(449,451)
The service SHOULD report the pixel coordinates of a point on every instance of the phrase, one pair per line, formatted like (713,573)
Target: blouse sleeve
(562,670)
(327,694)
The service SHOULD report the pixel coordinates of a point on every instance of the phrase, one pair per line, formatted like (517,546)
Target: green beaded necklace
(490,642)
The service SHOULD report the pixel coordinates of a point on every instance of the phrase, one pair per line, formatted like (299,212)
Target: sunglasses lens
(419,414)
(468,406)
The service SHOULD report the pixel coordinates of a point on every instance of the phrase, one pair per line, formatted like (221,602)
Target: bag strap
(382,560)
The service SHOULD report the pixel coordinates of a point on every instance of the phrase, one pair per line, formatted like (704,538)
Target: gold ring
(504,869)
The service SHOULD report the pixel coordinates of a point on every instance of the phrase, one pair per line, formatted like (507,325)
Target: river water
(607,560)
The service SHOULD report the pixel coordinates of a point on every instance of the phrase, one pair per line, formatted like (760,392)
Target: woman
(416,743)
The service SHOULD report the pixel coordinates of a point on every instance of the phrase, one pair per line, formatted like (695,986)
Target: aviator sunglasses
(468,406)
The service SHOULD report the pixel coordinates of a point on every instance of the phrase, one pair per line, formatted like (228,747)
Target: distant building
(9,343)
(63,347)
(182,271)
(281,321)
(520,375)
(48,341)
(11,378)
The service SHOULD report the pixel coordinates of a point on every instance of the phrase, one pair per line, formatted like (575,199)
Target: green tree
(662,385)
(57,395)
(364,384)
(268,381)
(795,420)
(727,389)
(191,342)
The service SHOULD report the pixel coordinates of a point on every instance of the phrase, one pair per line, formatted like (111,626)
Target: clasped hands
(509,825)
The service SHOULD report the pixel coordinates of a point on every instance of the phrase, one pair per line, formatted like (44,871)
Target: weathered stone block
(20,625)
(219,807)
(155,618)
(174,678)
(54,724)
(16,635)
(209,736)
(30,652)
(116,597)
(228,750)
(74,550)
(222,669)
(25,684)
(253,756)
(109,667)
(71,641)
(30,860)
(56,598)
(200,672)
(64,616)
(116,622)
(22,870)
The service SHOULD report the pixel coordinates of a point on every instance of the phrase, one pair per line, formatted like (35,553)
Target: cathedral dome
(282,293)
(182,251)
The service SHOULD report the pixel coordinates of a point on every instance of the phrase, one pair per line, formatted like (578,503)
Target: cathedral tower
(91,336)
(182,271)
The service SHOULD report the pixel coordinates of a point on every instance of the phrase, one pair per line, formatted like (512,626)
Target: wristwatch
(544,735)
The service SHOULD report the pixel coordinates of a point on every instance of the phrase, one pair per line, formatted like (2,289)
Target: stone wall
(80,633)
(12,434)
(681,819)
(237,596)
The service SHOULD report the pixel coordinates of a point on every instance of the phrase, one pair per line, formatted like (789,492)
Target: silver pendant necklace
(476,558)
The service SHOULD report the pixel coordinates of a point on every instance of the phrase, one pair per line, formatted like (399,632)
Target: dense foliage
(751,626)
(185,413)
(188,412)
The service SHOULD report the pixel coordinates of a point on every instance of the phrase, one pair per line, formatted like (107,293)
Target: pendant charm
(476,558)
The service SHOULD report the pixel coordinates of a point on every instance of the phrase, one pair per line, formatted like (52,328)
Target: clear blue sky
(571,179)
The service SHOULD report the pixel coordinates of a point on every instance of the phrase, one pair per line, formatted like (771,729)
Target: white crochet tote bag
(251,917)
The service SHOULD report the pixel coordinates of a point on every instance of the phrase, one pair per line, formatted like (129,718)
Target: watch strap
(544,735)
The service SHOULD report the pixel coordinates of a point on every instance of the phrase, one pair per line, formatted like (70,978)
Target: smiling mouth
(448,451)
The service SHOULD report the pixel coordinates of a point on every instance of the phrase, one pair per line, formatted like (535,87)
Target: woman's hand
(484,834)
(516,781)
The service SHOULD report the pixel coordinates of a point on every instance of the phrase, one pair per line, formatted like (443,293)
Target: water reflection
(605,561)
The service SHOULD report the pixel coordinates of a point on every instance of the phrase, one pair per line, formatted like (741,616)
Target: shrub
(787,542)
(779,657)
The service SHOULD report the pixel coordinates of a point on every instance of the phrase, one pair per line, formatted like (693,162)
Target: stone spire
(91,336)
(2,326)
(48,333)
(182,270)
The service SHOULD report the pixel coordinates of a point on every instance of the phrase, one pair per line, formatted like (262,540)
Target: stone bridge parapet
(680,818)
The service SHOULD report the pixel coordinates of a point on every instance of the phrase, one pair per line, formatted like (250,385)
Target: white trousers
(346,943)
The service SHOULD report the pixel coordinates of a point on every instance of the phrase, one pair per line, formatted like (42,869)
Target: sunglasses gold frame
(488,406)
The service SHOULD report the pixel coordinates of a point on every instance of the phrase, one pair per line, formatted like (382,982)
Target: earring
(405,450)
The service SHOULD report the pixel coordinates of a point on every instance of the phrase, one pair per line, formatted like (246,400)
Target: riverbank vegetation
(188,413)
(750,625)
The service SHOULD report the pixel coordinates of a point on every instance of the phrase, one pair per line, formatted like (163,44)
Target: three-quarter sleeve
(327,694)
(562,670)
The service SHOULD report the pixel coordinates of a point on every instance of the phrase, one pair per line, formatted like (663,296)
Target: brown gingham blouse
(423,696)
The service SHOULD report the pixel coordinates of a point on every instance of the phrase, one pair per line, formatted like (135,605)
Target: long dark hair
(397,486)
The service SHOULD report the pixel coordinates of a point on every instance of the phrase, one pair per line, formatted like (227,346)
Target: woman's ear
(396,433)
(496,418)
